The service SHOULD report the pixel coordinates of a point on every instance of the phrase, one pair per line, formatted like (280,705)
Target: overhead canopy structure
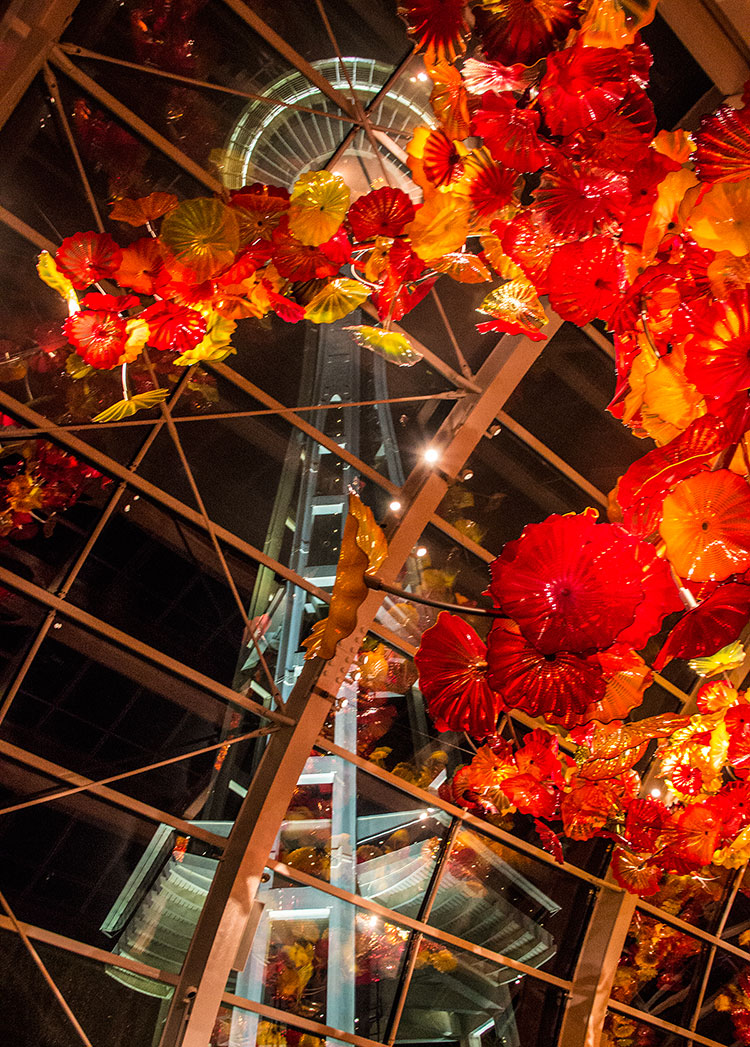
(204,839)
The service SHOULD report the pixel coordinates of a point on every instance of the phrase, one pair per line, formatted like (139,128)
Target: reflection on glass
(321,958)
(620,1030)
(360,834)
(508,902)
(158,578)
(113,1006)
(696,900)
(81,867)
(456,996)
(659,970)
(236,1027)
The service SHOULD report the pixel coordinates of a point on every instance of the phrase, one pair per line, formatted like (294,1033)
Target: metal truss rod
(74,571)
(251,19)
(137,647)
(24,230)
(64,1005)
(54,90)
(83,52)
(87,785)
(415,941)
(368,905)
(224,918)
(89,952)
(384,138)
(143,810)
(691,931)
(63,62)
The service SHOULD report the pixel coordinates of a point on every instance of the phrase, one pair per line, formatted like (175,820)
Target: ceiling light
(395,505)
(431,455)
(421,551)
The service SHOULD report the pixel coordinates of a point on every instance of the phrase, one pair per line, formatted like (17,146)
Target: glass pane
(292,483)
(455,995)
(726,1003)
(159,579)
(507,901)
(113,1006)
(39,182)
(660,970)
(324,365)
(79,865)
(696,900)
(621,1029)
(575,381)
(19,622)
(321,958)
(509,486)
(94,710)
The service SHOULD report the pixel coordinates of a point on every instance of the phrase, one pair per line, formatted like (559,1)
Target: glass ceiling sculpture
(539,177)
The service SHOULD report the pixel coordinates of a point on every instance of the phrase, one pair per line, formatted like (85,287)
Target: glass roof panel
(103,999)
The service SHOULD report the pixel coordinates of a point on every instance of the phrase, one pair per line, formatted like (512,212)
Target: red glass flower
(142,267)
(558,686)
(578,201)
(382,212)
(511,133)
(635,874)
(259,209)
(453,678)
(438,26)
(87,257)
(99,337)
(695,831)
(173,327)
(488,185)
(582,85)
(705,629)
(300,262)
(723,146)
(529,241)
(586,280)
(523,30)
(570,583)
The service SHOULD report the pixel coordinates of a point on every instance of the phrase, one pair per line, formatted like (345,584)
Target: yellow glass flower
(338,298)
(203,235)
(721,221)
(318,204)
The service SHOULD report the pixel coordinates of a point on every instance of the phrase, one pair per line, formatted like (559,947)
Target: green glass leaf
(391,345)
(126,408)
(51,275)
(77,367)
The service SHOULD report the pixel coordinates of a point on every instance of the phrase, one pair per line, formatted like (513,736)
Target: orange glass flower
(706,526)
